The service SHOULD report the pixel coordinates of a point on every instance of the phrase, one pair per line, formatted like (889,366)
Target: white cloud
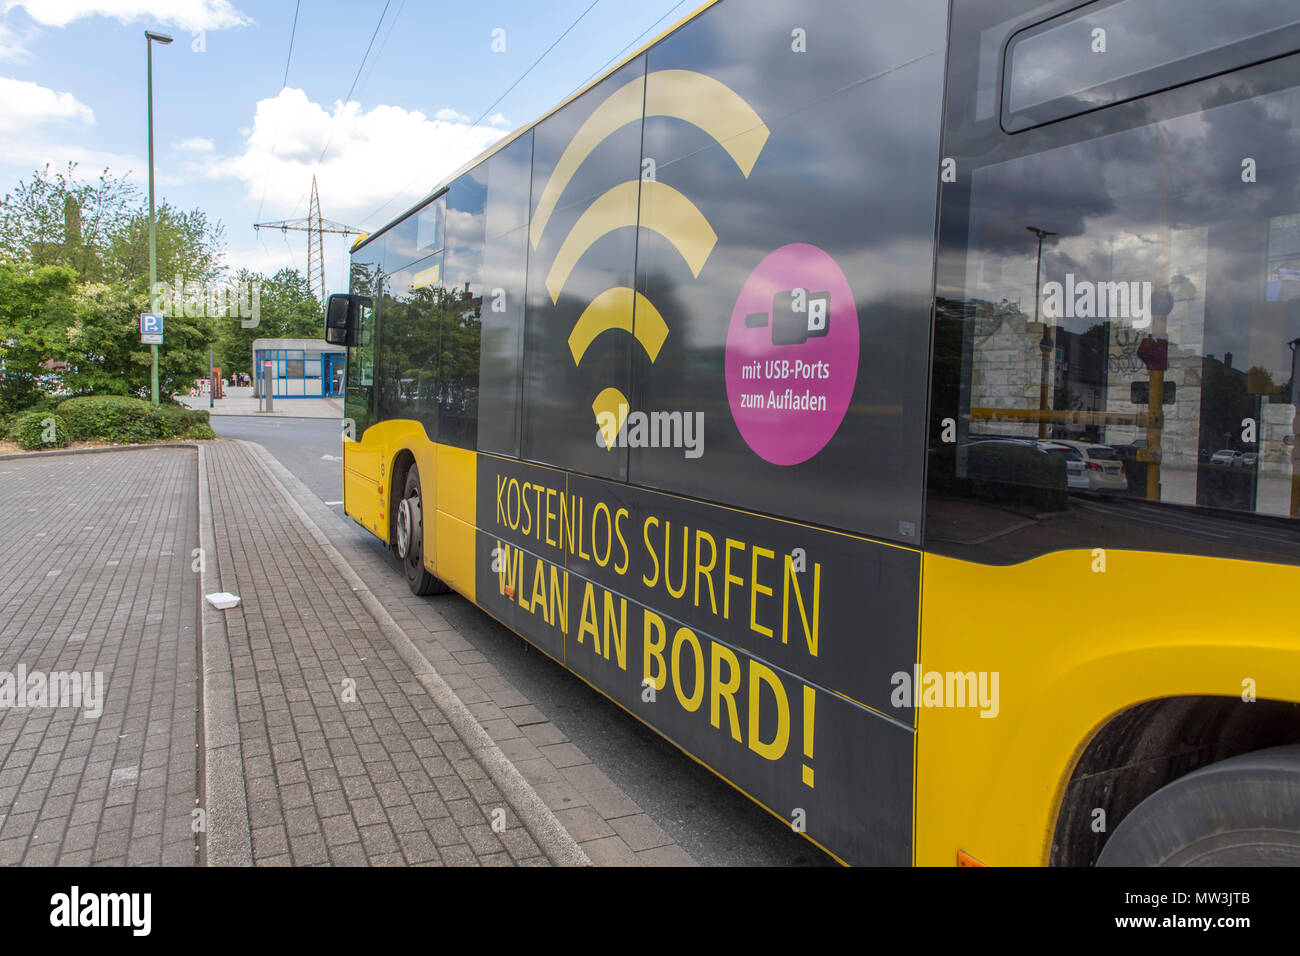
(26,106)
(186,14)
(39,125)
(12,46)
(196,144)
(371,156)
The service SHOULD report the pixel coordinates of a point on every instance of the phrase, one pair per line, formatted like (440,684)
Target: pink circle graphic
(792,354)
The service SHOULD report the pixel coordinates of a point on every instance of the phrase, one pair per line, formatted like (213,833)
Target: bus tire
(409,543)
(1243,811)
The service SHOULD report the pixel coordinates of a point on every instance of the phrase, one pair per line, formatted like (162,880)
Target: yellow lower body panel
(1074,638)
(447,489)
(364,498)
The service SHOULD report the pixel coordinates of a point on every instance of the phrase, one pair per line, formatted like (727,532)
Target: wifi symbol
(694,98)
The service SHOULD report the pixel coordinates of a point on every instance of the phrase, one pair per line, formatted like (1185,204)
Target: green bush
(126,420)
(201,432)
(181,421)
(37,430)
(113,418)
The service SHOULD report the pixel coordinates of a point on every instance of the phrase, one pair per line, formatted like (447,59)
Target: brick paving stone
(666,856)
(639,832)
(610,851)
(584,823)
(381,756)
(95,577)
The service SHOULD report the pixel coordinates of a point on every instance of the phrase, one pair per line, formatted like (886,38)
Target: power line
(275,140)
(535,62)
(334,123)
(488,111)
(617,55)
(392,25)
(292,33)
(347,98)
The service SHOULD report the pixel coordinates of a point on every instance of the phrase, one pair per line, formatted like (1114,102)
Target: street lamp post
(150,36)
(1045,344)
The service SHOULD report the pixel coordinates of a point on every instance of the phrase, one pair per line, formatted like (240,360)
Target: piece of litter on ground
(223,600)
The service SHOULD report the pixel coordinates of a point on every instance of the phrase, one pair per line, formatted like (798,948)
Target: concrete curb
(270,415)
(96,451)
(551,836)
(228,840)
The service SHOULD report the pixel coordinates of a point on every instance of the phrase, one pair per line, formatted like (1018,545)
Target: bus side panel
(454,494)
(735,636)
(368,468)
(990,778)
(363,493)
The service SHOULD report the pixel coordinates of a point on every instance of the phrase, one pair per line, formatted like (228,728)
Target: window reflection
(1157,322)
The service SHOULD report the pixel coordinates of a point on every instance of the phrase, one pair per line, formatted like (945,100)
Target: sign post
(267,390)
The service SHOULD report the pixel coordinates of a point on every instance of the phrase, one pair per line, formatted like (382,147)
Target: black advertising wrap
(764,648)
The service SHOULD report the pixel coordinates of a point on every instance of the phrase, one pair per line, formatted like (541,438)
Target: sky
(242,119)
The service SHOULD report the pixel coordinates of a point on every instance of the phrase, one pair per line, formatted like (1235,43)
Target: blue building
(300,368)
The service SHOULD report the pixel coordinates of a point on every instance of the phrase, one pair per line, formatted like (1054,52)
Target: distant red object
(1154,353)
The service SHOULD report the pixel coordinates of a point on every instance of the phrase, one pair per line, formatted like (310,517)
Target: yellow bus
(893,405)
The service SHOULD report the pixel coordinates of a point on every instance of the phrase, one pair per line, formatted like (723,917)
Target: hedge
(122,419)
(37,430)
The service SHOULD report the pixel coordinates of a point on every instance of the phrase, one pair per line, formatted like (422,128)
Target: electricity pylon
(315,227)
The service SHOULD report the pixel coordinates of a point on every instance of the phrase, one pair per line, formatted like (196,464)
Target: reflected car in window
(1090,467)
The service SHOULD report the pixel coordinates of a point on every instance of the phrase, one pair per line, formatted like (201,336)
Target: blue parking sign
(151,328)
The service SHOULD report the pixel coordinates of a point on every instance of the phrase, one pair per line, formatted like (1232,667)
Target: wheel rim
(403,529)
(408,528)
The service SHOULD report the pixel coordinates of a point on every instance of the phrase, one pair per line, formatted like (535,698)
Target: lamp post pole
(1045,344)
(149,37)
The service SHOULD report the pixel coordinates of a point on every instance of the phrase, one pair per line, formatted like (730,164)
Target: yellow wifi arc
(613,309)
(663,210)
(681,94)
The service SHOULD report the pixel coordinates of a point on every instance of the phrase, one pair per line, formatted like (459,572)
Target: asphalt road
(707,817)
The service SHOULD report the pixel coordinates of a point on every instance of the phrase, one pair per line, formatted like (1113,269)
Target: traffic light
(1154,353)
(1139,393)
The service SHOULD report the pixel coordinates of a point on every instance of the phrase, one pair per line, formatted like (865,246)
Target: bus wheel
(409,542)
(1244,811)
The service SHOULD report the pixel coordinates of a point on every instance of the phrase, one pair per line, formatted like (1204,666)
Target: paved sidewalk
(240,401)
(609,827)
(343,721)
(346,758)
(95,577)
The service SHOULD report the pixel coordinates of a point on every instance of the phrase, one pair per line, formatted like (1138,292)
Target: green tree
(58,220)
(36,309)
(75,261)
(103,351)
(287,310)
(188,246)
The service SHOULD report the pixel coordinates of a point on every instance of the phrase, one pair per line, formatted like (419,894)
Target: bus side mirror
(341,315)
